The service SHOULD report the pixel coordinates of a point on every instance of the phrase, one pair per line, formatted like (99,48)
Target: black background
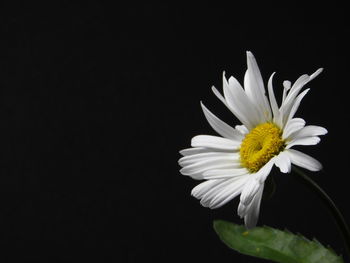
(97,100)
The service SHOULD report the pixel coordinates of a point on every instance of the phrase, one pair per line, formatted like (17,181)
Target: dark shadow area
(96,101)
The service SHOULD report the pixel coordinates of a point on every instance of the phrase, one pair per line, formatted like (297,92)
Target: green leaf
(276,245)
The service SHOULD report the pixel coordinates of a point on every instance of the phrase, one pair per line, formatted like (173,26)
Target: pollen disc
(260,145)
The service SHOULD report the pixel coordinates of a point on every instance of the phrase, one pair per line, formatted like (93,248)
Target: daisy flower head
(239,161)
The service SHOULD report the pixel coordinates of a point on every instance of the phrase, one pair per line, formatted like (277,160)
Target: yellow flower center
(260,145)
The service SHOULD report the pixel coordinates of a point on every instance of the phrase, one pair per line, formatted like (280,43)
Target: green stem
(339,219)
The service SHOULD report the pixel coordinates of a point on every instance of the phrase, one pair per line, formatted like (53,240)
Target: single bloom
(238,162)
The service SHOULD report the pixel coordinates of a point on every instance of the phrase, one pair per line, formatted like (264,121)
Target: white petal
(316,73)
(191,151)
(254,87)
(190,159)
(303,141)
(242,129)
(224,193)
(219,96)
(287,84)
(227,194)
(249,190)
(303,160)
(265,170)
(283,162)
(225,173)
(204,187)
(211,193)
(296,105)
(299,84)
(292,126)
(285,107)
(286,87)
(241,210)
(239,103)
(252,216)
(221,127)
(207,164)
(279,119)
(309,131)
(214,190)
(272,97)
(238,114)
(214,142)
(289,101)
(224,197)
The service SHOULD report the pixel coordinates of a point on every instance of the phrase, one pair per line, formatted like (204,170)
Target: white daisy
(239,162)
